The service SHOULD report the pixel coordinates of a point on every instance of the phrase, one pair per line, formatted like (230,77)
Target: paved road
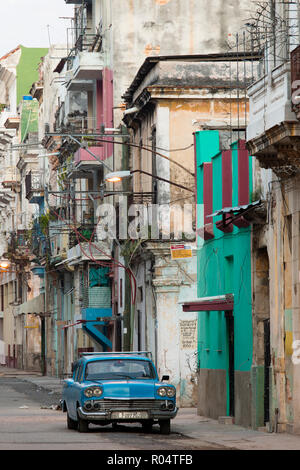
(29,422)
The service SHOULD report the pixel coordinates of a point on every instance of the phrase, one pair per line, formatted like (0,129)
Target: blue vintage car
(111,388)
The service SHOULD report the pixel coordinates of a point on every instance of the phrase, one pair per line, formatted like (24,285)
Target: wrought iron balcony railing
(34,185)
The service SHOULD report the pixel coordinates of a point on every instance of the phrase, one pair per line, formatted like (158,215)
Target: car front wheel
(147,425)
(83,425)
(165,426)
(71,423)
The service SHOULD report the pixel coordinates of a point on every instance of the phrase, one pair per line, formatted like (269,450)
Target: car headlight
(98,392)
(89,392)
(93,392)
(171,392)
(162,391)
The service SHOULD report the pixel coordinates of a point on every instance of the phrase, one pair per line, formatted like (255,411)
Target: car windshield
(119,369)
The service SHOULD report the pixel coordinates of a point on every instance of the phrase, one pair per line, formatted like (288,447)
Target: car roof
(100,357)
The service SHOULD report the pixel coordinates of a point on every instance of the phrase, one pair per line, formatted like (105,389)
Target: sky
(26,22)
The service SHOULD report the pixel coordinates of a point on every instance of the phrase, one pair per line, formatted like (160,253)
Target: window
(119,369)
(121,293)
(154,171)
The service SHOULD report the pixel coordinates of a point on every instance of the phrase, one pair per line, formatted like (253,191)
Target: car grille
(130,404)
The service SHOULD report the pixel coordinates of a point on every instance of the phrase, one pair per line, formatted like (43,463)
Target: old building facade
(272,138)
(137,91)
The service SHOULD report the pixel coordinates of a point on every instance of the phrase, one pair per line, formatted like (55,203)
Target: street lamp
(117,176)
(4,264)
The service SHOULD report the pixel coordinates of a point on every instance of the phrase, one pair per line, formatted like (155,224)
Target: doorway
(230,331)
(267,363)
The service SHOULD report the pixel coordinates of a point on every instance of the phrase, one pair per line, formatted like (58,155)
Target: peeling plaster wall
(282,241)
(47,108)
(166,28)
(132,32)
(175,281)
(8,86)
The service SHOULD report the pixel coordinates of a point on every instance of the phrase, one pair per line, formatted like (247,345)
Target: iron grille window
(28,184)
(295,65)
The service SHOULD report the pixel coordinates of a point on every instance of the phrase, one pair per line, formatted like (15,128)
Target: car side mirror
(165,377)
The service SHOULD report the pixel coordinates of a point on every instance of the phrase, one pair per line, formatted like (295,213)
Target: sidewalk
(188,423)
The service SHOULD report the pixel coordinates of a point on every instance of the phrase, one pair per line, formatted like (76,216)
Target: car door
(72,393)
(77,388)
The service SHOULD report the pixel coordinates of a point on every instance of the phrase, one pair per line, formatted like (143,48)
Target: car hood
(128,388)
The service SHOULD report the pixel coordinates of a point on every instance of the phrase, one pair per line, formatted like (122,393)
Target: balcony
(273,135)
(77,85)
(84,162)
(18,244)
(5,136)
(87,63)
(39,243)
(98,251)
(6,197)
(87,67)
(10,177)
(37,90)
(9,119)
(72,113)
(12,122)
(76,2)
(28,158)
(59,240)
(86,230)
(34,187)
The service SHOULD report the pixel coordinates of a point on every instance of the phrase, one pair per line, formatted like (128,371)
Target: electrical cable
(115,262)
(148,149)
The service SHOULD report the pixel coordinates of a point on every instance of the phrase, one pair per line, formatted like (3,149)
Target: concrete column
(277,401)
(296,305)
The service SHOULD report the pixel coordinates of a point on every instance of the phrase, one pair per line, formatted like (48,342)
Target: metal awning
(206,304)
(237,209)
(35,305)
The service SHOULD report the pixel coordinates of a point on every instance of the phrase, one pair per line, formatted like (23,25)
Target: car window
(75,370)
(119,369)
(79,373)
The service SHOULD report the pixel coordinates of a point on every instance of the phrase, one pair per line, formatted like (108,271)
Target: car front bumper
(106,415)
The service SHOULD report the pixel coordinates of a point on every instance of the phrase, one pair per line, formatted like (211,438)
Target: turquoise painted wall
(224,266)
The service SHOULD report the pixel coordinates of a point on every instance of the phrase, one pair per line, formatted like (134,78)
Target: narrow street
(29,422)
(150,226)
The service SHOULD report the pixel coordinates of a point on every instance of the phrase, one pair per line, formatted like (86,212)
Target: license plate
(129,415)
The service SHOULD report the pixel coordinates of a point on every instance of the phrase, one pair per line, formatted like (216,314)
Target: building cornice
(278,148)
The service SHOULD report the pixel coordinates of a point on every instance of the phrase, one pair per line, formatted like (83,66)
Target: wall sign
(188,334)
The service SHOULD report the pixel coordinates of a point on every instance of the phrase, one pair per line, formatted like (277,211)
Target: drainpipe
(276,420)
(43,328)
(127,297)
(43,346)
(127,311)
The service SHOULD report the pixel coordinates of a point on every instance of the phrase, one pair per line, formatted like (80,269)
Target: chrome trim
(163,414)
(92,415)
(106,415)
